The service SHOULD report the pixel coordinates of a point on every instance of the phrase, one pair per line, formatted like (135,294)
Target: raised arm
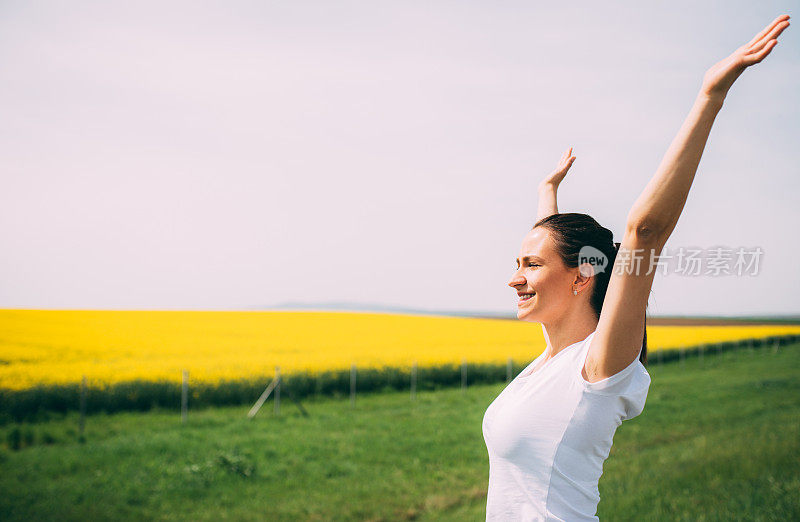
(548,187)
(655,213)
(659,206)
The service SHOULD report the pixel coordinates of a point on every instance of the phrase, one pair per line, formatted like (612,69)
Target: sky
(241,155)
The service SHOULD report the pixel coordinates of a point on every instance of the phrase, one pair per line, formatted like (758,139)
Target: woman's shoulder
(633,377)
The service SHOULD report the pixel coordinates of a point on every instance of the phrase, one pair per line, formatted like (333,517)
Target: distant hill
(651,320)
(373,307)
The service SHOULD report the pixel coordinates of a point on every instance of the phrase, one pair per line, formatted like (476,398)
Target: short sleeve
(636,395)
(630,385)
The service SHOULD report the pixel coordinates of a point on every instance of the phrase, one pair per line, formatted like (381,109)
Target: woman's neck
(568,329)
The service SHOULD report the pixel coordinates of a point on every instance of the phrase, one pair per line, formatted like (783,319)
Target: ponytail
(573,231)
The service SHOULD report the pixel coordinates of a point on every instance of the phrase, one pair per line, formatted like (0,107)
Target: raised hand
(554,178)
(548,187)
(719,78)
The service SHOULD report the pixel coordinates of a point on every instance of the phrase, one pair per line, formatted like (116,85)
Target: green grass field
(719,439)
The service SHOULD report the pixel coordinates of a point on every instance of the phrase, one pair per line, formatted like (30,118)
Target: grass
(719,439)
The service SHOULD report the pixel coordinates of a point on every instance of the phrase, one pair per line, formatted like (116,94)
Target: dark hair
(573,231)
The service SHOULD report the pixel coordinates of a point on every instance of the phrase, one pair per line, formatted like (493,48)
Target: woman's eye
(532,264)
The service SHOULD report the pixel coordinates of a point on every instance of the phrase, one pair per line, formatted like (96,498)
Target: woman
(550,430)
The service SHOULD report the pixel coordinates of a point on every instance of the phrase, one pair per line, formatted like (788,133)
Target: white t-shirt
(549,433)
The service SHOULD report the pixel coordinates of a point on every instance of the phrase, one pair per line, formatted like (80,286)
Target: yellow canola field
(60,346)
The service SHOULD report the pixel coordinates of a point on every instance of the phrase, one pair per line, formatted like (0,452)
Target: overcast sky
(231,155)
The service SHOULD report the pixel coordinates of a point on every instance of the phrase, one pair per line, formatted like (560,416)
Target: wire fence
(36,403)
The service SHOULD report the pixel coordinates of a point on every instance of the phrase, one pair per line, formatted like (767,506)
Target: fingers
(772,35)
(754,58)
(767,29)
(563,166)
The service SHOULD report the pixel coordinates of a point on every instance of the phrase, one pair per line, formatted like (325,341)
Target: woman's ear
(584,276)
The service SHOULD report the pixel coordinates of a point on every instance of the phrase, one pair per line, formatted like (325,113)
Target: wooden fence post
(260,402)
(353,386)
(414,381)
(277,407)
(82,421)
(184,396)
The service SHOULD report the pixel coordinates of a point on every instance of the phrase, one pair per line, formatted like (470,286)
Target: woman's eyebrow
(532,258)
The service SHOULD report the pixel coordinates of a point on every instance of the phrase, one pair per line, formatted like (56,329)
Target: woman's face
(541,272)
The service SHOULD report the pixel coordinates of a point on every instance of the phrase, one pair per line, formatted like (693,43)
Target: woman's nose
(516,280)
